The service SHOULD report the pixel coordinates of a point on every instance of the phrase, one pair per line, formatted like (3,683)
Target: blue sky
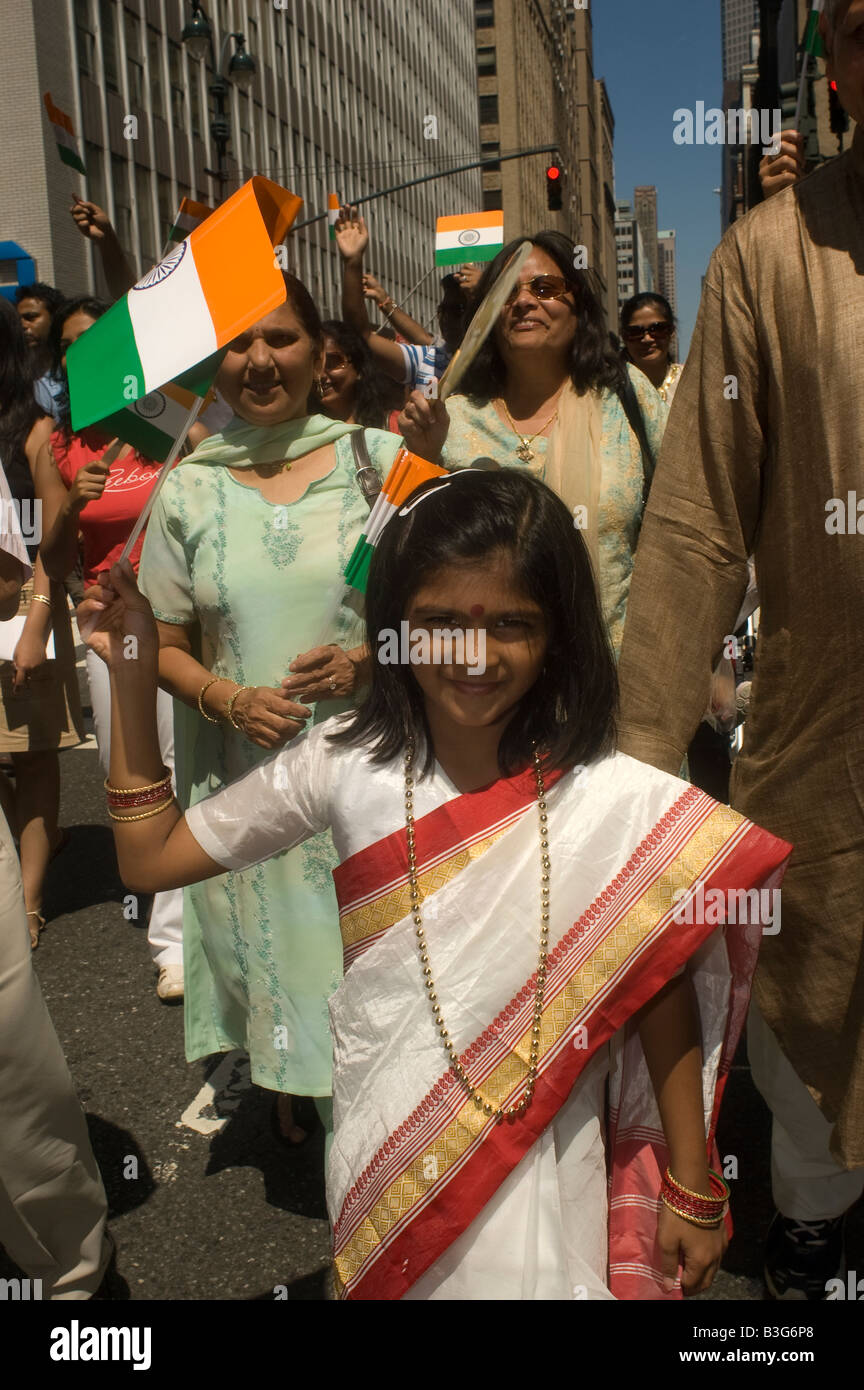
(656,56)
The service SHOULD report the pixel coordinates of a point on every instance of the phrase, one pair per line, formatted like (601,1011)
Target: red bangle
(126,799)
(696,1205)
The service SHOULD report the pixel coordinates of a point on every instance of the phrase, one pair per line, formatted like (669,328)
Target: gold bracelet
(229,712)
(40,598)
(148,786)
(214,680)
(145,815)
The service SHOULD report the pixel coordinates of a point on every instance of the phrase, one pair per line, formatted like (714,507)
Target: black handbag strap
(632,409)
(367,476)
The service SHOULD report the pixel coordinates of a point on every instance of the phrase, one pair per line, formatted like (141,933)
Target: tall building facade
(738,19)
(350,96)
(536,86)
(645,204)
(667,278)
(635,272)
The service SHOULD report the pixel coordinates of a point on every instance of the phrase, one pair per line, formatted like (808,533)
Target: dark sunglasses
(654,330)
(542,287)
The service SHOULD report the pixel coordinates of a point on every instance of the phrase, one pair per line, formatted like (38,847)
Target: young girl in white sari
(510,894)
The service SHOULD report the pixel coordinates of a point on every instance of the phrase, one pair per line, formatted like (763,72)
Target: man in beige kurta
(767,428)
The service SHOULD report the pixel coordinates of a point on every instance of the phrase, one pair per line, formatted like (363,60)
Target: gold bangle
(148,786)
(229,712)
(40,598)
(703,1197)
(214,680)
(145,815)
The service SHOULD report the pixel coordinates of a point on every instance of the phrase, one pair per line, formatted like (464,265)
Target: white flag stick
(165,470)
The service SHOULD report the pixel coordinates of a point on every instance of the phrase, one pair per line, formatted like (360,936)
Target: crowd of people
(440,908)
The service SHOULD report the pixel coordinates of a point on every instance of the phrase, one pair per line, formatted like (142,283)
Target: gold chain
(525,451)
(480,1101)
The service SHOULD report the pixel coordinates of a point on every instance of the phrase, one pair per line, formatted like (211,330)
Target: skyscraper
(667,279)
(739,18)
(645,203)
(349,96)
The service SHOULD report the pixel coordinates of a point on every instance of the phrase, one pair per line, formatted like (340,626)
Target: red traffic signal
(553,188)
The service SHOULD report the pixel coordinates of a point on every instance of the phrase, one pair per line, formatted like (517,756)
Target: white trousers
(52,1202)
(807,1181)
(165,929)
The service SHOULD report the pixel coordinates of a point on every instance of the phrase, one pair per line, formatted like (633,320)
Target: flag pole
(811,36)
(409,295)
(163,474)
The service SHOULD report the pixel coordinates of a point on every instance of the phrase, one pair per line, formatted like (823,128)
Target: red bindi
(477,611)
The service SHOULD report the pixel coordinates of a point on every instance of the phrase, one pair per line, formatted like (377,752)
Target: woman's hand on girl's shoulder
(698,1250)
(117,622)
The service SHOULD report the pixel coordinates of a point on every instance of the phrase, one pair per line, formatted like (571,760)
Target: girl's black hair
(593,364)
(570,711)
(639,301)
(369,402)
(94,309)
(19,409)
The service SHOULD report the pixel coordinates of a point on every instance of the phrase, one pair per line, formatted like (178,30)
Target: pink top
(105,524)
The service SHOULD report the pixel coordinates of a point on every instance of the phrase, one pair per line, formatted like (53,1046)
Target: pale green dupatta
(241,445)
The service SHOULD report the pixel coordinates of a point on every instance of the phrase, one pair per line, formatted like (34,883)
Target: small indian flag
(332,213)
(407,473)
(189,216)
(812,38)
(476,236)
(152,424)
(211,287)
(64,134)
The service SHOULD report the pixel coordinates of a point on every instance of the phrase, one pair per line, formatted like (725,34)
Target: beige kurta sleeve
(700,524)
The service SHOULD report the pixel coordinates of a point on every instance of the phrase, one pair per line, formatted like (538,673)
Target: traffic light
(553,188)
(839,119)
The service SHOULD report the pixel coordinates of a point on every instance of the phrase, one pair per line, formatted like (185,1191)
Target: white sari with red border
(428,1197)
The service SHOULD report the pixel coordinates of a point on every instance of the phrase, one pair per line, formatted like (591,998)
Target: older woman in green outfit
(547,394)
(242,564)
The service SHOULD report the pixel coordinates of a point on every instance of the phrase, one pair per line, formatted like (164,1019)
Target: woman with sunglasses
(647,327)
(545,394)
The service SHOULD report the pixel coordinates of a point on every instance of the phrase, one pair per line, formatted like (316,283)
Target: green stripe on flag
(357,569)
(812,38)
(142,434)
(199,379)
(104,369)
(466,255)
(71,158)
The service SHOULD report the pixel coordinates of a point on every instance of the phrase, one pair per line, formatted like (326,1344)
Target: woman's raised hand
(351,233)
(323,673)
(423,425)
(117,622)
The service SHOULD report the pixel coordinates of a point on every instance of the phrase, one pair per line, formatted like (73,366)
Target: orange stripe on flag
(473,219)
(56,116)
(233,253)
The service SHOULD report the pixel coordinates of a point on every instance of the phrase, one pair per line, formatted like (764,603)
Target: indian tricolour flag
(64,134)
(214,285)
(152,424)
(475,236)
(812,38)
(189,216)
(407,473)
(332,213)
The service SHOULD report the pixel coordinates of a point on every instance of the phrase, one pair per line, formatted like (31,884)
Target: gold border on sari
(413,1185)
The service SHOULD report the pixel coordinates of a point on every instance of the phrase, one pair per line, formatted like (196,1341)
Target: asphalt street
(204,1204)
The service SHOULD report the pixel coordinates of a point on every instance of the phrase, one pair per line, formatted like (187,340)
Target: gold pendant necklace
(524,451)
(498,1112)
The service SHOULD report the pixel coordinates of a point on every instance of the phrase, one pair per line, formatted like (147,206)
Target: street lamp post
(198,38)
